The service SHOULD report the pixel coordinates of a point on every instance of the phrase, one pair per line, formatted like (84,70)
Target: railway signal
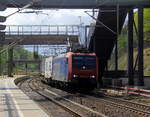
(2,27)
(2,20)
(2,34)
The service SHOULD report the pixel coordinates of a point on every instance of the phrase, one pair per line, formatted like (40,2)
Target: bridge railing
(42,30)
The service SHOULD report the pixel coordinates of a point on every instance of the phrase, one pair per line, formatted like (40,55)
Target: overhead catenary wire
(20,9)
(101,23)
(11,45)
(26,6)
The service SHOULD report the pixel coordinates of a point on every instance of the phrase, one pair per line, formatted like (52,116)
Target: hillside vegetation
(18,53)
(146,23)
(122,45)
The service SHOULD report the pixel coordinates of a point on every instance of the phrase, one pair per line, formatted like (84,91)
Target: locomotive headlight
(75,75)
(92,76)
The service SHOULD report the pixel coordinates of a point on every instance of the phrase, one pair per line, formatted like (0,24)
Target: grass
(144,99)
(123,61)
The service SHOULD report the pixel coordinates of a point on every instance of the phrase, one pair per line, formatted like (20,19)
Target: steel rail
(86,108)
(65,99)
(128,108)
(31,83)
(139,106)
(46,93)
(61,105)
(117,103)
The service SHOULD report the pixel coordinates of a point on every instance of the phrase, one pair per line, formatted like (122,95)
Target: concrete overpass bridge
(41,34)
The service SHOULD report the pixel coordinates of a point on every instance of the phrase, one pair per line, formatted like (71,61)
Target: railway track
(75,109)
(48,106)
(139,106)
(35,87)
(121,107)
(91,106)
(135,108)
(136,111)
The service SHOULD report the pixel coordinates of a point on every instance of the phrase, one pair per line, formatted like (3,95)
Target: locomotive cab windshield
(84,62)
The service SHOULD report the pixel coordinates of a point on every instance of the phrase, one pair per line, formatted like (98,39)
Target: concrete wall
(147,81)
(109,81)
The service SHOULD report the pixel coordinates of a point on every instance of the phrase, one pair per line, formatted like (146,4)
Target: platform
(14,103)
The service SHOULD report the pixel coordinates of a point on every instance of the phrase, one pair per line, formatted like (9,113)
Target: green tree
(146,23)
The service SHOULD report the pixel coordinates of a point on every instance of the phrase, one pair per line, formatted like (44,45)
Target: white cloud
(46,17)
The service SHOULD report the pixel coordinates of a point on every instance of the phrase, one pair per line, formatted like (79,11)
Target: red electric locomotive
(76,69)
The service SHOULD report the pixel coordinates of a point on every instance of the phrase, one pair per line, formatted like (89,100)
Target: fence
(42,29)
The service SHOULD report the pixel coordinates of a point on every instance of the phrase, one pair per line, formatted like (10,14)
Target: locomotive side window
(89,62)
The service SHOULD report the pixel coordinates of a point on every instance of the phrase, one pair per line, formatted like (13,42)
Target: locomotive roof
(80,53)
(70,54)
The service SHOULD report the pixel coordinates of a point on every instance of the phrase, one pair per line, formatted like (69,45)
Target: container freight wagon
(48,67)
(42,67)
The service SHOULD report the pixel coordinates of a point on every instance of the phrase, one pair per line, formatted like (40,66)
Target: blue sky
(47,17)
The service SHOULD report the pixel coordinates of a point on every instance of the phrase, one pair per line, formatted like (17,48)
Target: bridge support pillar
(140,47)
(116,41)
(26,68)
(86,38)
(101,65)
(35,52)
(130,48)
(10,62)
